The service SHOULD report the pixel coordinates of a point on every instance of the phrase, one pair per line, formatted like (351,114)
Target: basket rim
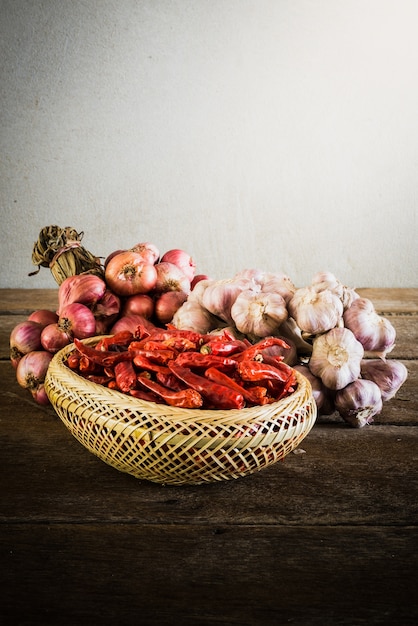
(58,368)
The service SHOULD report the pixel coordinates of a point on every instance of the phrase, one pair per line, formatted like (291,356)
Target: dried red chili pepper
(162,357)
(221,347)
(256,395)
(122,338)
(255,371)
(125,376)
(199,360)
(185,398)
(253,351)
(168,379)
(146,364)
(216,395)
(101,357)
(141,394)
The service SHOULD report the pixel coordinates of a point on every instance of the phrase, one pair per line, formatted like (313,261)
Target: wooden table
(328,536)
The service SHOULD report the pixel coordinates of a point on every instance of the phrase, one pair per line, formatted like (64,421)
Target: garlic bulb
(291,331)
(359,402)
(199,289)
(327,280)
(258,314)
(336,357)
(315,311)
(375,333)
(318,389)
(193,316)
(220,295)
(389,376)
(278,283)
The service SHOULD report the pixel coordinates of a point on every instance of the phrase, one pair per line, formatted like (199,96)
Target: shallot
(54,338)
(43,317)
(85,289)
(77,320)
(32,369)
(128,273)
(167,304)
(25,337)
(183,260)
(170,278)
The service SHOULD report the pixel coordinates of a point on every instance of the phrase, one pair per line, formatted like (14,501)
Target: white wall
(279,134)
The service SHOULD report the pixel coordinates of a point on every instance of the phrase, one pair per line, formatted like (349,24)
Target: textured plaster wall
(279,134)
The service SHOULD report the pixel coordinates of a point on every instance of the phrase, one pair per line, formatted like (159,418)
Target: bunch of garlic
(337,338)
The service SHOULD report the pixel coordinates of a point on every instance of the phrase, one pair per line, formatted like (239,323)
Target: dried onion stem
(60,250)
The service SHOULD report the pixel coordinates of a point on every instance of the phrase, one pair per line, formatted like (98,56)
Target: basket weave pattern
(171,445)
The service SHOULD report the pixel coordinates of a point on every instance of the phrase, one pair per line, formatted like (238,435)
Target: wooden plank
(25,301)
(397,300)
(208,574)
(349,475)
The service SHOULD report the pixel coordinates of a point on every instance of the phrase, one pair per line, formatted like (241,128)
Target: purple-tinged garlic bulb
(389,375)
(359,402)
(375,332)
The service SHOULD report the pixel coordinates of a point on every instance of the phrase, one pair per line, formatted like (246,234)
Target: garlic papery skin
(278,283)
(388,375)
(359,402)
(219,297)
(193,316)
(375,333)
(315,311)
(336,358)
(258,314)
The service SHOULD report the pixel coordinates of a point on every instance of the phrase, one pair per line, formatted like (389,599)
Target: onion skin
(183,260)
(148,251)
(197,279)
(359,402)
(24,338)
(40,396)
(43,317)
(78,321)
(82,288)
(140,304)
(128,274)
(32,369)
(389,376)
(167,304)
(53,338)
(170,278)
(131,323)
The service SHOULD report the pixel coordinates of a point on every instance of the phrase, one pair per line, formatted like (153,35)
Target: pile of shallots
(339,341)
(138,287)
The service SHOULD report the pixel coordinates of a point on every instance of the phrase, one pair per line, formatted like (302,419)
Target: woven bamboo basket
(176,446)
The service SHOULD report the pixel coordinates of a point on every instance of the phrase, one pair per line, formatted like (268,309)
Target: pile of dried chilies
(187,369)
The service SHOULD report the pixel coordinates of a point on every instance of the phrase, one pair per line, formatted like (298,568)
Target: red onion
(167,304)
(127,274)
(53,338)
(171,278)
(131,323)
(148,251)
(389,376)
(111,255)
(40,396)
(25,337)
(82,288)
(43,317)
(359,402)
(77,320)
(32,369)
(108,305)
(183,260)
(140,304)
